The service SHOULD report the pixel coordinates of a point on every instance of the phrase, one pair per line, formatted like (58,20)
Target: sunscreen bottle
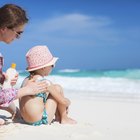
(11,72)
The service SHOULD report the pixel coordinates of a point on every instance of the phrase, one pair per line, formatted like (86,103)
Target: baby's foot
(68,120)
(57,115)
(2,121)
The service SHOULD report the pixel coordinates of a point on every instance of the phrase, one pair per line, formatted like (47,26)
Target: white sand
(98,119)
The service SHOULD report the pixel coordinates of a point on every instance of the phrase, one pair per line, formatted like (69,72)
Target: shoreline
(99,119)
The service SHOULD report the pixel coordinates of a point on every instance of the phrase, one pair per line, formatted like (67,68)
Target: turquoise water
(129,74)
(112,83)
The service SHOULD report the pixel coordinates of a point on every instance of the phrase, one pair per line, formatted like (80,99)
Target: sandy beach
(90,48)
(98,119)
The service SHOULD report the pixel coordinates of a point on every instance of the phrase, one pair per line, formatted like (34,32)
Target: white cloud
(74,26)
(74,21)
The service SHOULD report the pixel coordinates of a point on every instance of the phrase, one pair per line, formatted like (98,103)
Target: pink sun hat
(39,57)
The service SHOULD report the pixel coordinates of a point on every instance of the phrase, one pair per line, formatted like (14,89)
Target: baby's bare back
(31,107)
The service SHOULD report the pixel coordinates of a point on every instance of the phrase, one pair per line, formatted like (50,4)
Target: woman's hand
(32,88)
(2,78)
(14,80)
(36,87)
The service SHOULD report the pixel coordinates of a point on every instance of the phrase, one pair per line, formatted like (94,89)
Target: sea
(118,84)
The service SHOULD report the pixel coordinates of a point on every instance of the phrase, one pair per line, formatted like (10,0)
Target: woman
(12,22)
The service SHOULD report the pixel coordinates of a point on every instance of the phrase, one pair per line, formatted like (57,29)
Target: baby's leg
(51,106)
(62,109)
(57,114)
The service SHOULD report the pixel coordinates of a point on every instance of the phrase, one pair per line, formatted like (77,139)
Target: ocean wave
(69,70)
(89,86)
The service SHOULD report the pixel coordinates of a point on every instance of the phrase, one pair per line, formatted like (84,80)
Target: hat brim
(52,62)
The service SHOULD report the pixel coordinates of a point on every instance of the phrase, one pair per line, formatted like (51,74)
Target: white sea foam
(103,86)
(69,70)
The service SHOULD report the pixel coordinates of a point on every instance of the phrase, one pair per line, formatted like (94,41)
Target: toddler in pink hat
(39,57)
(43,107)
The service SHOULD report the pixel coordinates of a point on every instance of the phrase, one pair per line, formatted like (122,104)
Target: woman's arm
(31,87)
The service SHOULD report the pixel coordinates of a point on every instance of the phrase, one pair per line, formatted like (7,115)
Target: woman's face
(8,35)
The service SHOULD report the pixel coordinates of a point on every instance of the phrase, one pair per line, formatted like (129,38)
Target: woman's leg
(13,110)
(2,121)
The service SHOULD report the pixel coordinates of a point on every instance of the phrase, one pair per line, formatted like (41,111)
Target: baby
(41,108)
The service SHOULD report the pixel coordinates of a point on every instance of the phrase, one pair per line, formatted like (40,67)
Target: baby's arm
(51,89)
(57,96)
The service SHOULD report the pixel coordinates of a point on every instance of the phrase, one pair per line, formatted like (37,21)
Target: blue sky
(84,34)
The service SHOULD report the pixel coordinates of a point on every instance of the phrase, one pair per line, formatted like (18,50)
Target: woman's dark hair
(12,16)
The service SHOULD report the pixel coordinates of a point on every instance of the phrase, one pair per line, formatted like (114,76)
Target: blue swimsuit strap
(42,95)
